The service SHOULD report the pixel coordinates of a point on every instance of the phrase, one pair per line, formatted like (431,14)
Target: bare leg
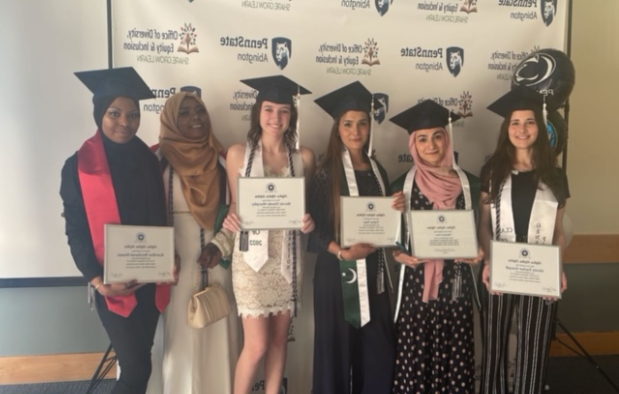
(275,361)
(256,334)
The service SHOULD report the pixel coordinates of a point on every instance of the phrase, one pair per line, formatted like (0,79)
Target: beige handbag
(208,306)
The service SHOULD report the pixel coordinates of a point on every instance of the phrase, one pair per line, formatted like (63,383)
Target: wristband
(339,255)
(97,286)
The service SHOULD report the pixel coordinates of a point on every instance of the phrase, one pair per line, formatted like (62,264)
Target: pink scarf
(440,187)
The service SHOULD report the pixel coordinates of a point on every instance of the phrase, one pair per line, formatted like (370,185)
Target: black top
(138,186)
(523,195)
(320,204)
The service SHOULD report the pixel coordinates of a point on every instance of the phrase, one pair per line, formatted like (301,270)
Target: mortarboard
(352,97)
(522,98)
(114,82)
(425,115)
(277,89)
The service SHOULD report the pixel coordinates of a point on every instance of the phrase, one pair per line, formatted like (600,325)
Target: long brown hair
(544,161)
(332,164)
(255,131)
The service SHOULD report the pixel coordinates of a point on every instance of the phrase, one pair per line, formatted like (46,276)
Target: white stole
(407,190)
(258,249)
(362,275)
(542,220)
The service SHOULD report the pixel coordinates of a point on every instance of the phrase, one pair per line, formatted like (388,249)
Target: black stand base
(104,367)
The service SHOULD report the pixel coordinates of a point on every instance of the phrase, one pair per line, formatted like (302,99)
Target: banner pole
(566,110)
(110,60)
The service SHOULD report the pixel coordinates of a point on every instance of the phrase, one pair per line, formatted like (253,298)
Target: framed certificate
(526,269)
(369,220)
(271,203)
(141,253)
(443,234)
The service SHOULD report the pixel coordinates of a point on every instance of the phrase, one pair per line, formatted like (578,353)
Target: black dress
(347,359)
(435,350)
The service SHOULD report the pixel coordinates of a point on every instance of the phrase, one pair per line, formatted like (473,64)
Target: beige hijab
(194,160)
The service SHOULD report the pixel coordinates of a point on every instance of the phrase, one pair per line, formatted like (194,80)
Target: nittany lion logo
(192,89)
(536,71)
(380,113)
(281,48)
(455,60)
(382,6)
(524,253)
(549,10)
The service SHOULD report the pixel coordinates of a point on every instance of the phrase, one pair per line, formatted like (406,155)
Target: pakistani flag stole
(354,275)
(541,222)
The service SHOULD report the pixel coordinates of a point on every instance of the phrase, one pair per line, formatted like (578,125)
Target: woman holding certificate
(522,201)
(266,265)
(195,360)
(434,312)
(354,340)
(115,178)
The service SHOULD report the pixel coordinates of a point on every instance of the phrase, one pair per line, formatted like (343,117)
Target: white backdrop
(403,53)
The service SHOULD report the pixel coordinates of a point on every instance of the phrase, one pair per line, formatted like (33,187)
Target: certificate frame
(271,203)
(141,253)
(525,269)
(430,234)
(362,215)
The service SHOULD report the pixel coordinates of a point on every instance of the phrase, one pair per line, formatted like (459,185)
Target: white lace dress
(266,291)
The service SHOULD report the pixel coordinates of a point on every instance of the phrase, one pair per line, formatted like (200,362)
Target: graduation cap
(115,82)
(352,97)
(523,98)
(277,89)
(425,115)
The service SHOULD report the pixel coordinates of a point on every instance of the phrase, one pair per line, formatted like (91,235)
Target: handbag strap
(204,270)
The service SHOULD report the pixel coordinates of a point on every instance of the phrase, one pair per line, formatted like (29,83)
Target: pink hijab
(440,187)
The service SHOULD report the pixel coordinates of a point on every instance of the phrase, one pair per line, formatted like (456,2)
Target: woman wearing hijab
(196,360)
(523,200)
(115,178)
(266,265)
(354,347)
(434,313)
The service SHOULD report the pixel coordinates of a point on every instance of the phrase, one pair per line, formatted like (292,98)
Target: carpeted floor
(566,375)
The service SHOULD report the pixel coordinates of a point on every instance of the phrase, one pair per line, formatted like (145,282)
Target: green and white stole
(408,190)
(354,272)
(542,220)
(257,253)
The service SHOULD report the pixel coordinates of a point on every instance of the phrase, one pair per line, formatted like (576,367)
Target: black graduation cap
(352,97)
(115,82)
(192,89)
(425,115)
(522,98)
(277,89)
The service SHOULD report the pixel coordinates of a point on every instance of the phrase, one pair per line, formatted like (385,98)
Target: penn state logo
(382,6)
(281,48)
(549,10)
(192,89)
(271,187)
(370,206)
(536,71)
(524,253)
(465,105)
(140,237)
(455,60)
(468,6)
(381,113)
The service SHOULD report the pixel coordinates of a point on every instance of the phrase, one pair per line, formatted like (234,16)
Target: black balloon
(557,132)
(547,70)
